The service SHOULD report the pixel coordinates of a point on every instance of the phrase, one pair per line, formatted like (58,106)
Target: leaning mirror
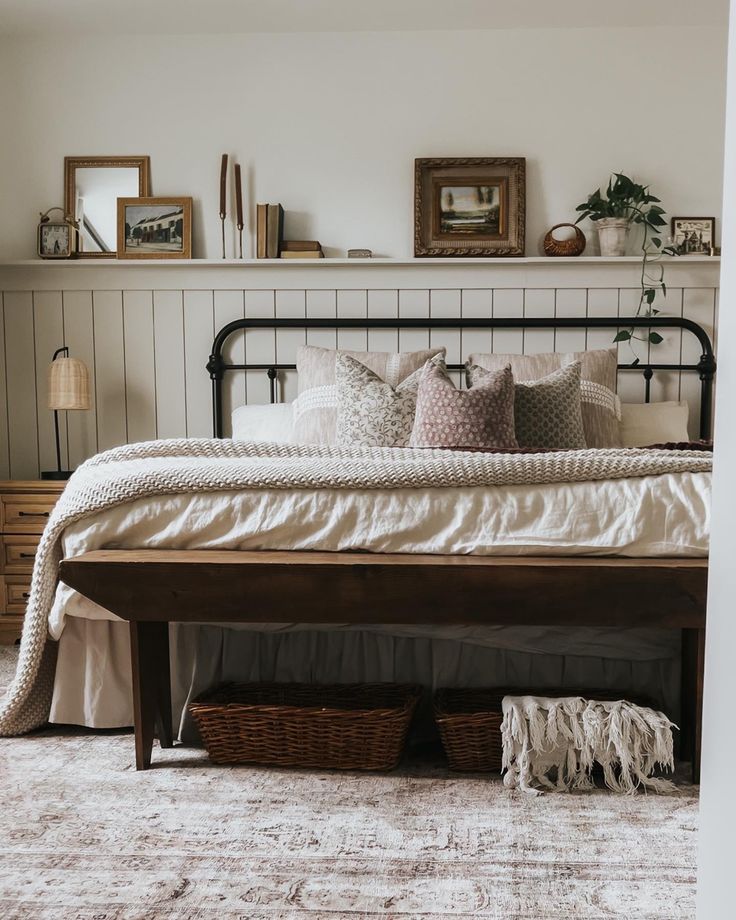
(92,186)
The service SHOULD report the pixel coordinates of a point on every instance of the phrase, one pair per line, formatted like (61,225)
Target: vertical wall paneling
(20,360)
(4,453)
(260,345)
(289,304)
(79,336)
(107,311)
(383,304)
(147,349)
(228,306)
(539,302)
(413,304)
(352,305)
(48,324)
(141,387)
(168,334)
(199,331)
(508,302)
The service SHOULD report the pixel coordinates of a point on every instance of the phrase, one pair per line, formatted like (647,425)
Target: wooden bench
(152,588)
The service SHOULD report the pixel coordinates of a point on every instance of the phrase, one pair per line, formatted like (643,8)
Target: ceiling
(61,17)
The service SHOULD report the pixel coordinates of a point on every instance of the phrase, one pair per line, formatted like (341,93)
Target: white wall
(716,900)
(330,123)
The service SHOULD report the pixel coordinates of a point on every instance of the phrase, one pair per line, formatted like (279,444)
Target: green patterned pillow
(547,412)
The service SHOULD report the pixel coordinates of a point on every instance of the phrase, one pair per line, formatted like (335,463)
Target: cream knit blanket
(135,471)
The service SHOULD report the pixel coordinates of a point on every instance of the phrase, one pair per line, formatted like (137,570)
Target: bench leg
(149,656)
(693,667)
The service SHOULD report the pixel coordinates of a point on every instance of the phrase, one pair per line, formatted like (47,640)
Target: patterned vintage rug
(83,836)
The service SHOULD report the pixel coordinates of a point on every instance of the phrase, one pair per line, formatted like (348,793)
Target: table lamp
(68,388)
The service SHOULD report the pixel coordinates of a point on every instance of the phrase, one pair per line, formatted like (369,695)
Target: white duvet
(649,516)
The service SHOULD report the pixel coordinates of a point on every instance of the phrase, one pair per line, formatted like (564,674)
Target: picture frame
(693,235)
(469,206)
(155,228)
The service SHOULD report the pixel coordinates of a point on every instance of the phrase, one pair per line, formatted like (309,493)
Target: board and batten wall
(146,332)
(329,124)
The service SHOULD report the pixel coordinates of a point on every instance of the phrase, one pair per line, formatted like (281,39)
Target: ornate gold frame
(430,173)
(71,164)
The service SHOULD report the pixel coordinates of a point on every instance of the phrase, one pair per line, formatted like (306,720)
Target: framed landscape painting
(469,206)
(155,228)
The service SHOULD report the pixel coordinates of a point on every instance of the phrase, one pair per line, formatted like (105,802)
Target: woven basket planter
(339,727)
(470,719)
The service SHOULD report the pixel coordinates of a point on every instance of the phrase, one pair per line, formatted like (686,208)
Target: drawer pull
(26,595)
(34,513)
(27,555)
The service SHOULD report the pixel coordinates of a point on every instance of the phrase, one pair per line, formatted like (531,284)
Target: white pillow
(272,423)
(653,423)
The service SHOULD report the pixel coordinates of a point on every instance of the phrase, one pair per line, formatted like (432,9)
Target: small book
(300,245)
(275,231)
(261,230)
(304,254)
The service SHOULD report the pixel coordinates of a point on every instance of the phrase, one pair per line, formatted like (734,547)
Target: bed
(126,562)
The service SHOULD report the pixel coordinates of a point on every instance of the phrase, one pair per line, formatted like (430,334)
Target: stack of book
(301,249)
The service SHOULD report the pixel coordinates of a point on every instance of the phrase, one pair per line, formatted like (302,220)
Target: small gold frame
(185,204)
(72,164)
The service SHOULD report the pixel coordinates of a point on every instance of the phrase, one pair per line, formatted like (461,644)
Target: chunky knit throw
(136,471)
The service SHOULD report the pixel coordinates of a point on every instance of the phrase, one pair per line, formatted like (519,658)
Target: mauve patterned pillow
(547,412)
(447,417)
(370,412)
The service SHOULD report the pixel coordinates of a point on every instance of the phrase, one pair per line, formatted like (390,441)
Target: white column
(716,894)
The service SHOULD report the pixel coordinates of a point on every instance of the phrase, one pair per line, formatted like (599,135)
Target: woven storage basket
(341,727)
(470,719)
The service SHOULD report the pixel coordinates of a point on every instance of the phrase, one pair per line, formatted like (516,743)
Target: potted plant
(627,202)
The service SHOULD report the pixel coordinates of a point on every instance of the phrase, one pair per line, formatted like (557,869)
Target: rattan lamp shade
(68,384)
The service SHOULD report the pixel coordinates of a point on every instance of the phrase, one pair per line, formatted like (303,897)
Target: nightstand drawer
(18,553)
(26,513)
(14,593)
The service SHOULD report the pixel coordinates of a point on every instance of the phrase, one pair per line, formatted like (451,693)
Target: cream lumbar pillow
(643,424)
(315,408)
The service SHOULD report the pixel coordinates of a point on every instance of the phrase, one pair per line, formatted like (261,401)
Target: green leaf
(634,362)
(664,289)
(655,338)
(656,241)
(623,336)
(649,296)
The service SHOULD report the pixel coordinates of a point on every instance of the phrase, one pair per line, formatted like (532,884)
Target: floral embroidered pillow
(547,412)
(371,412)
(482,417)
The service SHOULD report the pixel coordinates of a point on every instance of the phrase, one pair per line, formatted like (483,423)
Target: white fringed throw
(125,474)
(554,743)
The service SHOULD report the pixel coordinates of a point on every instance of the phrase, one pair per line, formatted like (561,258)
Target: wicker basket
(470,719)
(340,727)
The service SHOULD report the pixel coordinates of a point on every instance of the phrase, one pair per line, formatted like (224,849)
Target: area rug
(83,836)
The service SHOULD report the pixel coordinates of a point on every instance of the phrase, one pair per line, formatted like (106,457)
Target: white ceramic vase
(612,235)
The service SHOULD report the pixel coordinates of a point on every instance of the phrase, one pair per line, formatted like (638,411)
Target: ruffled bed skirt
(92,684)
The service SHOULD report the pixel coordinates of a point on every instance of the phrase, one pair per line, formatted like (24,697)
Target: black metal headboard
(705,367)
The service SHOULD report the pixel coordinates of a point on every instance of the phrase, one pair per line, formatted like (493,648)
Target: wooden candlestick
(239,207)
(223,193)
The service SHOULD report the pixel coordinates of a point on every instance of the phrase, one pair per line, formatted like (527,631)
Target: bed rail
(705,367)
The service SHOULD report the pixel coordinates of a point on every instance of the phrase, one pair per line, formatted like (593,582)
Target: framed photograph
(155,228)
(694,235)
(469,206)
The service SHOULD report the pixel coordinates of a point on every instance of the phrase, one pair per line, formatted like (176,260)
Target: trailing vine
(628,200)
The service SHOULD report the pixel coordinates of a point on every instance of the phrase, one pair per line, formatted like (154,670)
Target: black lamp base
(56,474)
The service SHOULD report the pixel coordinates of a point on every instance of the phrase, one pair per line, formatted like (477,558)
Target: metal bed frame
(217,366)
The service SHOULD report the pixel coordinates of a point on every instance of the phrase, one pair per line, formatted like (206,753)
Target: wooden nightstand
(24,509)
